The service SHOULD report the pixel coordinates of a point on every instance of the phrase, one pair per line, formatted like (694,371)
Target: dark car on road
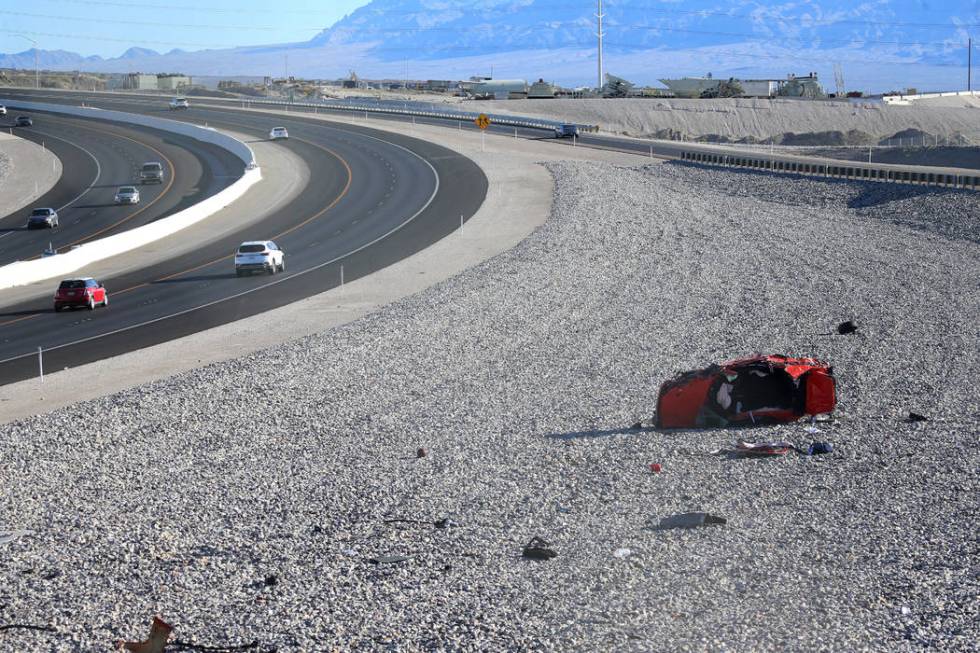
(23,121)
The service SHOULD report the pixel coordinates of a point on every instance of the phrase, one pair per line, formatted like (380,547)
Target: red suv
(80,292)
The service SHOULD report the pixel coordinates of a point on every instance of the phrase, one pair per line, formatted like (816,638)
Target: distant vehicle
(3,110)
(259,256)
(566,130)
(127,195)
(278,132)
(42,218)
(85,291)
(23,121)
(151,172)
(179,103)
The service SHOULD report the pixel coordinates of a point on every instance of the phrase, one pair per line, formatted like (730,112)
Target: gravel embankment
(520,378)
(6,165)
(788,121)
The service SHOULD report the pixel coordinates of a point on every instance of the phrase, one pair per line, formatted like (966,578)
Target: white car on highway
(259,256)
(278,132)
(179,103)
(127,195)
(3,110)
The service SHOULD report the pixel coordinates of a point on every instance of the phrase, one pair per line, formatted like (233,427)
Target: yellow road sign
(482,121)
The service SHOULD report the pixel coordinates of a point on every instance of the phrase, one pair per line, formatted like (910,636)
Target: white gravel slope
(757,119)
(519,378)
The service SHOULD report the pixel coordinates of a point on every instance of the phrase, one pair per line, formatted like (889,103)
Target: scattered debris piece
(157,641)
(46,629)
(762,449)
(388,560)
(622,553)
(690,520)
(538,549)
(445,522)
(271,580)
(757,390)
(818,448)
(7,537)
(916,417)
(655,468)
(178,645)
(846,328)
(812,430)
(421,453)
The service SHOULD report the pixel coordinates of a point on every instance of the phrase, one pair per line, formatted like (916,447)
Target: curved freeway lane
(97,158)
(374,198)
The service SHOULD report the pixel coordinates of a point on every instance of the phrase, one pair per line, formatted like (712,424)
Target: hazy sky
(109,27)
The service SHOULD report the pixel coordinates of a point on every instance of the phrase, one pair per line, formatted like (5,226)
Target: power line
(163,6)
(537,28)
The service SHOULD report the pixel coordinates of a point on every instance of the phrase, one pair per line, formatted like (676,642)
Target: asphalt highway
(97,158)
(374,198)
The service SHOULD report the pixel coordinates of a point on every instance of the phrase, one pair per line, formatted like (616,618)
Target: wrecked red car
(757,390)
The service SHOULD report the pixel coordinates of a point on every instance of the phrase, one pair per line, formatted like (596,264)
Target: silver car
(127,195)
(41,218)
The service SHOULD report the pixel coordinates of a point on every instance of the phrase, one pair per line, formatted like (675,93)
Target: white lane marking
(340,257)
(98,173)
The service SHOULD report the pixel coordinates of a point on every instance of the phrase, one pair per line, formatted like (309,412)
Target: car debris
(538,549)
(846,328)
(388,560)
(818,448)
(690,520)
(749,391)
(916,417)
(160,632)
(763,449)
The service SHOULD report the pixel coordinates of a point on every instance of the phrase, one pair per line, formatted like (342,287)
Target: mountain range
(881,44)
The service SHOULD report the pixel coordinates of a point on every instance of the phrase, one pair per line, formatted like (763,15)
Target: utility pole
(599,15)
(37,77)
(969,65)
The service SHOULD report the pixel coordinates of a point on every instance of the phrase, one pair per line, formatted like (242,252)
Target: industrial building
(172,82)
(791,86)
(541,90)
(162,82)
(498,89)
(140,82)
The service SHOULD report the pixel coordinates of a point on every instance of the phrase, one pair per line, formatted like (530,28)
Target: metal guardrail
(861,173)
(497,119)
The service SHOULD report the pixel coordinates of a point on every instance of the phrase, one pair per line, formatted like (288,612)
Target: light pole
(37,82)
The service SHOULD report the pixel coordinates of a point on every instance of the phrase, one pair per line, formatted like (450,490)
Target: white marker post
(461,225)
(341,278)
(40,364)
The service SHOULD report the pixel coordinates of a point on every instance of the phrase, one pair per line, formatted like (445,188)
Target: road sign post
(483,121)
